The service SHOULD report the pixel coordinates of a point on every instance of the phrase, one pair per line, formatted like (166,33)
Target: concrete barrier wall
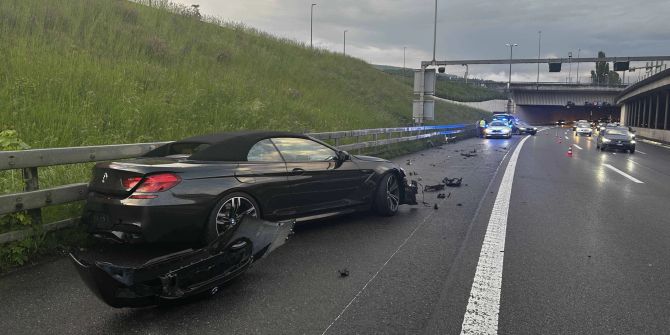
(659,135)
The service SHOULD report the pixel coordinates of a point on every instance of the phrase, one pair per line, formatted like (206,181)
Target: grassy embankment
(86,72)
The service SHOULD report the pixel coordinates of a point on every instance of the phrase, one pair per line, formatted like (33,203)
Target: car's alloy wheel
(232,212)
(387,199)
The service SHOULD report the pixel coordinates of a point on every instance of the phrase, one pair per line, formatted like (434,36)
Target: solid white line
(578,147)
(481,314)
(623,173)
(380,269)
(644,153)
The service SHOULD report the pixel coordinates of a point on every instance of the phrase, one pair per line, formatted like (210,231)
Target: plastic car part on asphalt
(183,273)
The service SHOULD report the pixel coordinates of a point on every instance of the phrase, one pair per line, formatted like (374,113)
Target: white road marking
(623,173)
(644,153)
(381,268)
(566,137)
(578,147)
(481,314)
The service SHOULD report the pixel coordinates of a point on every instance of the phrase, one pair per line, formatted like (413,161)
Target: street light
(509,81)
(311,24)
(344,50)
(539,48)
(404,50)
(578,52)
(435,33)
(570,67)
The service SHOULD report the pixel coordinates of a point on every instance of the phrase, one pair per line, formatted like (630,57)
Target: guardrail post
(30,178)
(337,142)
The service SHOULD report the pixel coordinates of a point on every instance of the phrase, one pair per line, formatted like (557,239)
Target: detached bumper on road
(131,276)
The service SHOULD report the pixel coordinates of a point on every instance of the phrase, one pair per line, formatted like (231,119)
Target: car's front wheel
(387,199)
(230,212)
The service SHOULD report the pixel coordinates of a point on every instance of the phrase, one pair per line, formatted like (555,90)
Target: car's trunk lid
(108,178)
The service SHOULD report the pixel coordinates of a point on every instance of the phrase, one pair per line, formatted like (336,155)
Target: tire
(632,150)
(387,197)
(219,222)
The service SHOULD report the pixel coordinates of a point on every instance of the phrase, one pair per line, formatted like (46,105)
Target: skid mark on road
(481,314)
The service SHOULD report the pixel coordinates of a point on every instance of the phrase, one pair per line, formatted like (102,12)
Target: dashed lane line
(481,314)
(578,147)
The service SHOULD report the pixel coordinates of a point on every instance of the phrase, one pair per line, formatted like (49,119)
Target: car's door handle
(298,171)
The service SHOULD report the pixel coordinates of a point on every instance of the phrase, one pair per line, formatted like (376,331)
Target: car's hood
(584,129)
(617,137)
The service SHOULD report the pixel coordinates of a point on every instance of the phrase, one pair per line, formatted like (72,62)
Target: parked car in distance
(583,128)
(560,123)
(498,128)
(616,138)
(521,127)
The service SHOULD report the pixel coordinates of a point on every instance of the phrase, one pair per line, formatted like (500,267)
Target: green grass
(87,72)
(446,88)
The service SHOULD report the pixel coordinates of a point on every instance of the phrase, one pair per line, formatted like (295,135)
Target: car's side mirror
(343,156)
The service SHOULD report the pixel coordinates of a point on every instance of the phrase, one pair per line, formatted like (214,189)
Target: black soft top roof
(231,146)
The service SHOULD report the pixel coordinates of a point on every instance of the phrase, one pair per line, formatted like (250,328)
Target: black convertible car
(217,194)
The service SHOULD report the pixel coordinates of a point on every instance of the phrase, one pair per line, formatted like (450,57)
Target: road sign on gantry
(427,86)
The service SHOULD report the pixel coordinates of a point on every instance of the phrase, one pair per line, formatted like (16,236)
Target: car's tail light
(158,183)
(130,182)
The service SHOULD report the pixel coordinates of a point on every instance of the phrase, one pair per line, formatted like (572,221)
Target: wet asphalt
(586,253)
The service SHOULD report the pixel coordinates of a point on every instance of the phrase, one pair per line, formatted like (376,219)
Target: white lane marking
(623,173)
(566,137)
(578,147)
(481,314)
(644,153)
(380,269)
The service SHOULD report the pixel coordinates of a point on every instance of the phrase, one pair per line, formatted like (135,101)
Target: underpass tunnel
(544,115)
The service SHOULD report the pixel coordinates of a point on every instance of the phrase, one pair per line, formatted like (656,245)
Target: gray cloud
(467,29)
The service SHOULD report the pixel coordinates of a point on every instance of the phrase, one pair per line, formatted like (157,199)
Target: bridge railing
(33,199)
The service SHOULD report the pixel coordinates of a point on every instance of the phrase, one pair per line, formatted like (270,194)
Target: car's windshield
(584,125)
(498,124)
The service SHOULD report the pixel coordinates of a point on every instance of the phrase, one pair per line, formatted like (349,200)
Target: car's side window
(301,150)
(264,151)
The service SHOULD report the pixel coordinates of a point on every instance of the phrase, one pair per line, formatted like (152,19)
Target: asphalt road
(585,252)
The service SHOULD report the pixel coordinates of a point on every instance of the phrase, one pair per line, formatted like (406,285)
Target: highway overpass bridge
(645,106)
(546,103)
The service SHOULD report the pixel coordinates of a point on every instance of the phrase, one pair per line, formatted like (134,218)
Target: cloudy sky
(467,29)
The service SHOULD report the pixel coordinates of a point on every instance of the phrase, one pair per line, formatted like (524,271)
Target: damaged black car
(223,201)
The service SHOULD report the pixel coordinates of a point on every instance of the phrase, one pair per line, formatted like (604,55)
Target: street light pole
(344,50)
(578,52)
(435,32)
(404,50)
(511,47)
(570,67)
(539,50)
(311,25)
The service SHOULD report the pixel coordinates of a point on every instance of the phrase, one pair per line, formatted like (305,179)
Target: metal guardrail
(33,198)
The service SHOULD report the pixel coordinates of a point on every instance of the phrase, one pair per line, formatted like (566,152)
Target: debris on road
(452,182)
(459,204)
(433,188)
(435,207)
(441,196)
(467,154)
(344,272)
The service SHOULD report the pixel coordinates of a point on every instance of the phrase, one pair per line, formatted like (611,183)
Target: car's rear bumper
(166,219)
(135,277)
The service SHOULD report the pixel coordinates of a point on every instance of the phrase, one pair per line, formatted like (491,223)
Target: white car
(498,128)
(583,128)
